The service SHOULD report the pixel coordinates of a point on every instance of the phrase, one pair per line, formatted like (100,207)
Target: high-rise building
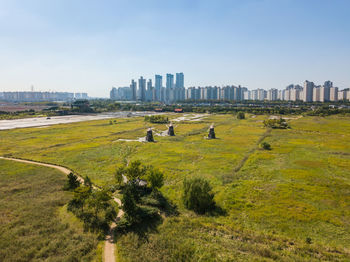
(37,96)
(158,86)
(113,94)
(247,95)
(133,87)
(272,94)
(180,80)
(308,91)
(328,84)
(254,94)
(169,92)
(333,94)
(295,93)
(149,91)
(169,81)
(142,89)
(344,94)
(324,91)
(262,94)
(316,94)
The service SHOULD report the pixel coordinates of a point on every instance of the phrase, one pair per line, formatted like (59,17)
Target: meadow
(34,224)
(289,203)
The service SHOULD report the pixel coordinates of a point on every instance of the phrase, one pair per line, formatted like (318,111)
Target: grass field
(290,203)
(34,225)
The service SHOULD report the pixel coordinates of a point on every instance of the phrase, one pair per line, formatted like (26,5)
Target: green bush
(276,123)
(157,119)
(240,115)
(95,208)
(265,145)
(72,182)
(155,178)
(197,195)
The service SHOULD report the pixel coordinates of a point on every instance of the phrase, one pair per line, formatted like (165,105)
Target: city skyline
(89,46)
(176,91)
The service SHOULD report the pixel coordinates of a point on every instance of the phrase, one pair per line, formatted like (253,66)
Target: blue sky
(90,46)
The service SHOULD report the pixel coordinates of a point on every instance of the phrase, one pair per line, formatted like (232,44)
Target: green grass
(274,199)
(33,224)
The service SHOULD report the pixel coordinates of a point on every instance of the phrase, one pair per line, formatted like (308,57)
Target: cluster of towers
(145,91)
(175,91)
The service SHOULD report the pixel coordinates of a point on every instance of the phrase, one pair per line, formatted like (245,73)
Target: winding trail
(109,249)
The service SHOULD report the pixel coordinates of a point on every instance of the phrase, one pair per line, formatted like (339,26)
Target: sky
(90,46)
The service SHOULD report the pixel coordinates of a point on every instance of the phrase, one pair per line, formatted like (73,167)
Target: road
(43,121)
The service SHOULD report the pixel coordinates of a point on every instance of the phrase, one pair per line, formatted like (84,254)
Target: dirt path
(109,249)
(250,152)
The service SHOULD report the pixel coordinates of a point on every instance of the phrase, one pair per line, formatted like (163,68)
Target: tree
(155,178)
(276,123)
(129,204)
(99,200)
(240,115)
(197,195)
(135,171)
(119,174)
(87,182)
(72,182)
(265,146)
(81,195)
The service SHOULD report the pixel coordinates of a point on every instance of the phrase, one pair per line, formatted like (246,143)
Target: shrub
(155,178)
(157,119)
(129,204)
(308,240)
(72,182)
(197,195)
(265,145)
(95,208)
(240,115)
(276,123)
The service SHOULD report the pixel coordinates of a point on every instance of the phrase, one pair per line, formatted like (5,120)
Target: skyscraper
(169,81)
(169,91)
(149,92)
(180,80)
(158,87)
(133,87)
(142,89)
(113,93)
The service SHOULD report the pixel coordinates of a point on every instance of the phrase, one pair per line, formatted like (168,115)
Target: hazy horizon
(90,46)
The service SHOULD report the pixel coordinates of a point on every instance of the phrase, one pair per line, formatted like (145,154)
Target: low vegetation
(142,202)
(72,182)
(30,227)
(198,196)
(157,119)
(276,123)
(240,115)
(286,204)
(265,145)
(95,208)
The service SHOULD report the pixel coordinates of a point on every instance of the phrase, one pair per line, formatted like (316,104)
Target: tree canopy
(197,195)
